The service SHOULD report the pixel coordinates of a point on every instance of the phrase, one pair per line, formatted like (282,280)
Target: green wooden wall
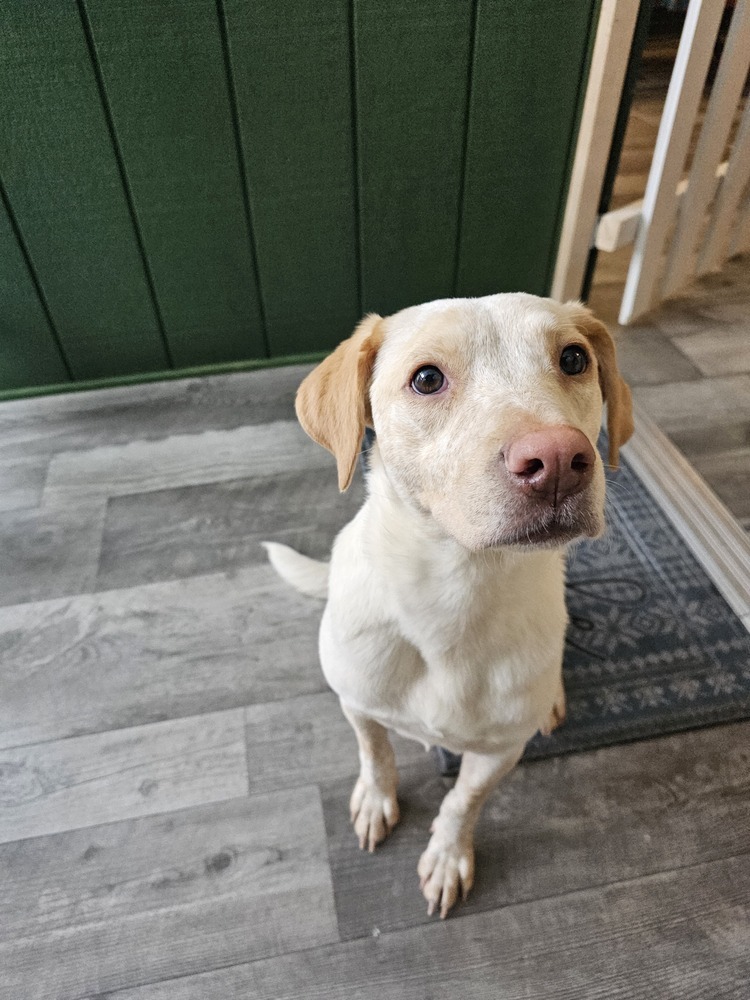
(204,182)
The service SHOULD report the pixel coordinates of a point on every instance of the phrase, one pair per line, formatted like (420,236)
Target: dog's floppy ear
(332,403)
(615,390)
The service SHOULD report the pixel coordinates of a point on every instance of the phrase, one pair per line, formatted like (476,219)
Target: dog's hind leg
(446,869)
(373,805)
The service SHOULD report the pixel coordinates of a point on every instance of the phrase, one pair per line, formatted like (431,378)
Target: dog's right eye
(427,380)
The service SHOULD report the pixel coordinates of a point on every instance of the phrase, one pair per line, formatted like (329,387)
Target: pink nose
(552,463)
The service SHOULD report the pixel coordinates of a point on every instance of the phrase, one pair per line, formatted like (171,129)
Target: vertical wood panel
(28,353)
(62,178)
(163,69)
(527,81)
(292,74)
(213,180)
(412,67)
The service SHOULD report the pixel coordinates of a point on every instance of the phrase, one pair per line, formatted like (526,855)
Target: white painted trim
(741,237)
(713,535)
(659,204)
(619,228)
(719,242)
(722,107)
(609,62)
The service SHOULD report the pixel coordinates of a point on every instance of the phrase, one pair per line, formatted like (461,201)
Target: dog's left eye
(427,380)
(574,360)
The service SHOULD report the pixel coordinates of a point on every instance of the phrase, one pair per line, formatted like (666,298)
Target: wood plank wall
(199,182)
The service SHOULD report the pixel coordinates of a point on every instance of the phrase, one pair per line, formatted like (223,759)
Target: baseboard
(714,536)
(197,371)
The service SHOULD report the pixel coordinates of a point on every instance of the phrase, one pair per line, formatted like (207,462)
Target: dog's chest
(464,659)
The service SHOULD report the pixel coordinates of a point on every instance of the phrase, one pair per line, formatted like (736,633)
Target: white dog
(446,618)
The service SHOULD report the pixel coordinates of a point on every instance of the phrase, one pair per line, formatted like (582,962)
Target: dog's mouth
(551,527)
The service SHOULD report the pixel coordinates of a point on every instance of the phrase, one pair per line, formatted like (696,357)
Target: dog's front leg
(447,866)
(373,805)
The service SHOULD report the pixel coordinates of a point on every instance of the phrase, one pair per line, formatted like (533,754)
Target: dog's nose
(552,463)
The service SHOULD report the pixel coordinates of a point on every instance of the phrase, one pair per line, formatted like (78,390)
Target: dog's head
(487,413)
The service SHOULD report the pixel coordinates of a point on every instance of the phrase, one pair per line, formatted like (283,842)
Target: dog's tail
(309,576)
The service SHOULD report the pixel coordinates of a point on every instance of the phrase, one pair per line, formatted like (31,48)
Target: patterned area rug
(652,646)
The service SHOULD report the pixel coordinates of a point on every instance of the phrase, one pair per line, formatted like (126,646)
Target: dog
(445,616)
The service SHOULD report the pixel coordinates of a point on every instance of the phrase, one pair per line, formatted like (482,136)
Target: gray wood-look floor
(174,774)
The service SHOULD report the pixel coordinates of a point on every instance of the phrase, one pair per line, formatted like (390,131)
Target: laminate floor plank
(174,894)
(181,460)
(718,351)
(49,553)
(153,411)
(88,780)
(123,658)
(680,406)
(290,741)
(217,526)
(716,303)
(554,826)
(728,472)
(22,481)
(666,362)
(702,441)
(679,935)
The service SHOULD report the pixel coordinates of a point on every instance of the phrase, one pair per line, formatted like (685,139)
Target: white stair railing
(685,227)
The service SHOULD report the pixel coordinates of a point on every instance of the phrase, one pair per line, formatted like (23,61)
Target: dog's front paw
(445,872)
(374,813)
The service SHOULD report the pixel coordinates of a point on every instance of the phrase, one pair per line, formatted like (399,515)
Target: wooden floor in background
(174,774)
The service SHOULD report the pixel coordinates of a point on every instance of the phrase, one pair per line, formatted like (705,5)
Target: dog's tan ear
(615,390)
(333,404)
